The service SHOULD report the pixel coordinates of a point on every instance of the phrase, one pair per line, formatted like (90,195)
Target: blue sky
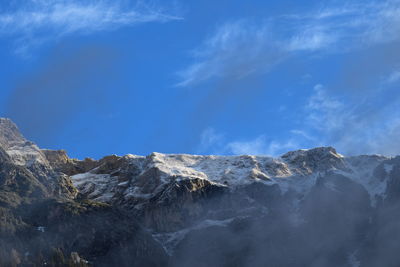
(203,77)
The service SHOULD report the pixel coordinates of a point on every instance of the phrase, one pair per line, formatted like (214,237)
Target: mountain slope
(311,207)
(42,222)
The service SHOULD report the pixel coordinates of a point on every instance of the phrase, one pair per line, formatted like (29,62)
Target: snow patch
(294,171)
(26,155)
(99,187)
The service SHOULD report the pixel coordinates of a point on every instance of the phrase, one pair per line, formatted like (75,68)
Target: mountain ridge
(198,210)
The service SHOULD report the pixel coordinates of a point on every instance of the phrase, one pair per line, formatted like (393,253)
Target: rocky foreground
(306,208)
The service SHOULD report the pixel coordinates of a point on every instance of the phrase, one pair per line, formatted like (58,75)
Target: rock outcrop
(43,221)
(229,210)
(311,207)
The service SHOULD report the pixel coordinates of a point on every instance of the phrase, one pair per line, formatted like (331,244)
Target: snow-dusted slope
(297,170)
(142,177)
(22,151)
(283,210)
(26,154)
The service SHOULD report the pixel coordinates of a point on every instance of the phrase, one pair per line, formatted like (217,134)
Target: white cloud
(257,146)
(383,24)
(260,146)
(210,140)
(394,77)
(324,110)
(306,136)
(34,22)
(236,50)
(367,126)
(361,122)
(241,48)
(363,127)
(310,39)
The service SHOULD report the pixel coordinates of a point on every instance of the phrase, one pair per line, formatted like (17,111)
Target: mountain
(311,207)
(43,222)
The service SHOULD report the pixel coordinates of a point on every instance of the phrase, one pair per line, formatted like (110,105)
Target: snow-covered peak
(21,151)
(143,177)
(139,177)
(307,161)
(133,176)
(232,170)
(321,152)
(9,133)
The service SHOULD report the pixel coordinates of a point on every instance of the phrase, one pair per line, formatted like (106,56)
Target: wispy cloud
(370,125)
(324,111)
(238,49)
(215,142)
(358,113)
(36,21)
(256,146)
(210,141)
(393,77)
(260,146)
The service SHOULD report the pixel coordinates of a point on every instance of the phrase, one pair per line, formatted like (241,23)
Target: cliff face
(306,208)
(42,222)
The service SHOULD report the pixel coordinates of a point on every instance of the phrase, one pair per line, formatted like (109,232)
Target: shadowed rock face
(97,232)
(306,208)
(42,222)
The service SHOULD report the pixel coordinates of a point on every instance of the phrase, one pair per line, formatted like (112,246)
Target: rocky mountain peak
(191,202)
(314,152)
(26,158)
(9,133)
(316,159)
(21,151)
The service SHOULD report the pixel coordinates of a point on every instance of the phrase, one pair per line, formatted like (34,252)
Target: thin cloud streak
(215,142)
(37,22)
(259,46)
(357,114)
(260,146)
(363,128)
(371,125)
(236,50)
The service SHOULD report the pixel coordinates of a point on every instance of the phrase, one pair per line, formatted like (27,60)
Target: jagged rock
(42,222)
(310,161)
(9,134)
(310,207)
(180,204)
(59,161)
